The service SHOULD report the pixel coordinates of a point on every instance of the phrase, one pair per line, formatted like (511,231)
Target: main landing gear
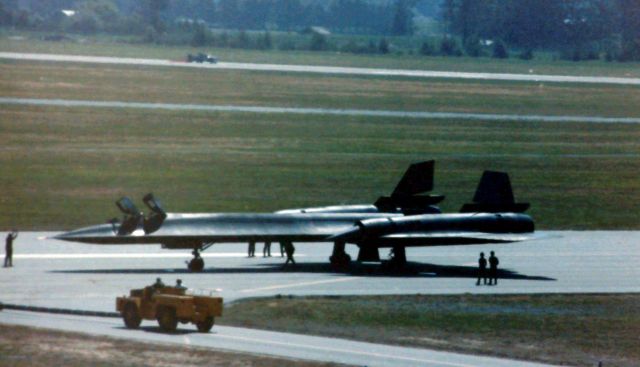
(397,261)
(398,256)
(339,259)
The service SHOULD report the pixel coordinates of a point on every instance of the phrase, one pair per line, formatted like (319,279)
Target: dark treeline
(343,16)
(578,28)
(574,29)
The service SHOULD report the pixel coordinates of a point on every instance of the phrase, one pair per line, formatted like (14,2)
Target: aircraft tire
(196,265)
(131,316)
(167,319)
(206,325)
(340,262)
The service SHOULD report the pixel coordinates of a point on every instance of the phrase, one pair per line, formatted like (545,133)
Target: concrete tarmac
(50,273)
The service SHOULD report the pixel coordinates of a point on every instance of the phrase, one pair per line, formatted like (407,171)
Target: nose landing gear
(196,264)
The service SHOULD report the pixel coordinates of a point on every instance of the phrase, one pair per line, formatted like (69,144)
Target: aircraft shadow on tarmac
(357,269)
(157,330)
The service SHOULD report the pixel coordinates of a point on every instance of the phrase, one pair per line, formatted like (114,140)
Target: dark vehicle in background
(202,58)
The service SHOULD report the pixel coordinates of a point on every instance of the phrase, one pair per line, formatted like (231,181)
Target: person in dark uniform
(493,269)
(179,284)
(158,284)
(252,249)
(281,249)
(289,249)
(266,250)
(482,269)
(8,249)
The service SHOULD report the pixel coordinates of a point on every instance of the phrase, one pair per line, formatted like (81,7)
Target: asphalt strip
(319,69)
(318,111)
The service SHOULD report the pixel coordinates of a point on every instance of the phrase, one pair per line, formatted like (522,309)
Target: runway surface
(50,273)
(317,111)
(324,69)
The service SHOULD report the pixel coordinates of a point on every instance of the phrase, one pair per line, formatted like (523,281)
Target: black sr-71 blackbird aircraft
(407,217)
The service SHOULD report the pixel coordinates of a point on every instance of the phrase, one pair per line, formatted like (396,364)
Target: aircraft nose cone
(95,234)
(65,236)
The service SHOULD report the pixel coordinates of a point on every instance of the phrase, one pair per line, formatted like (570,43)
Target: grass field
(577,330)
(105,46)
(30,347)
(64,167)
(177,85)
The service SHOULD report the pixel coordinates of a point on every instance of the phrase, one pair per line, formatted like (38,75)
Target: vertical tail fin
(494,194)
(405,198)
(417,179)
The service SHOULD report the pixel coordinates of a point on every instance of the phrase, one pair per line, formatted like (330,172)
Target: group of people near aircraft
(286,247)
(492,274)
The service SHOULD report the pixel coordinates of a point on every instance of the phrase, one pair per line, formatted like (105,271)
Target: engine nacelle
(452,223)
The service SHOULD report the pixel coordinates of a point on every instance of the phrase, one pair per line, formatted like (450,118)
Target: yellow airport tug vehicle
(168,305)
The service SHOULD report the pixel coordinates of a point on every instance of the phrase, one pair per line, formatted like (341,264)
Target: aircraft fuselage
(192,230)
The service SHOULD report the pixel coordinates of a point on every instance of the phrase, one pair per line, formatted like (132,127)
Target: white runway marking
(317,69)
(318,111)
(294,285)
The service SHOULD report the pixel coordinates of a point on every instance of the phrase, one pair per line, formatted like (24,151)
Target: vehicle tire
(167,319)
(196,265)
(131,316)
(206,325)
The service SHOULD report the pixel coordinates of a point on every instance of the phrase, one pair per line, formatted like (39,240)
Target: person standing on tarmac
(8,249)
(493,269)
(252,249)
(289,249)
(266,250)
(482,269)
